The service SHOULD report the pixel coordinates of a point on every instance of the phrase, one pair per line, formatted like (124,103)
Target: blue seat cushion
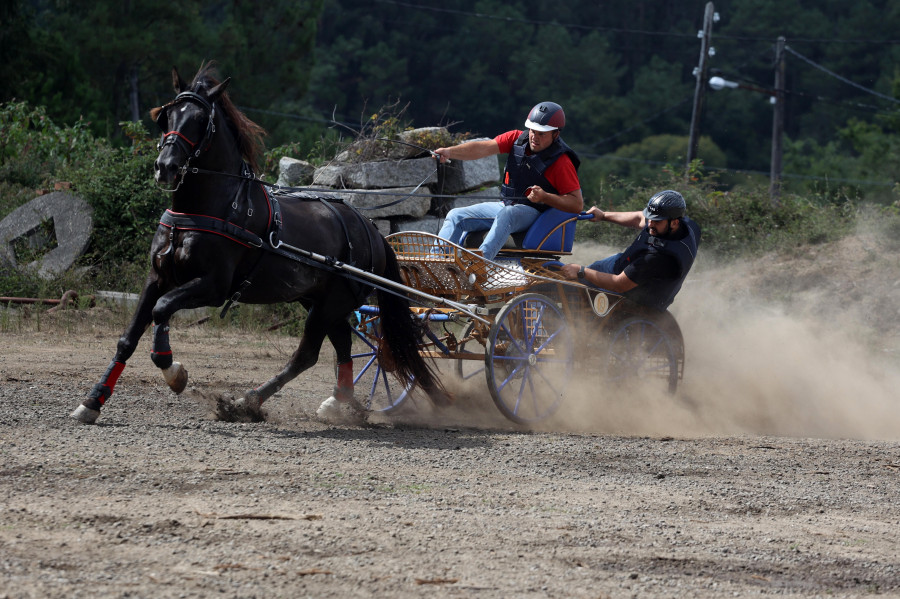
(560,240)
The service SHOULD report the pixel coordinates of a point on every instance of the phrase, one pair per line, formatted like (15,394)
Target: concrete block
(72,225)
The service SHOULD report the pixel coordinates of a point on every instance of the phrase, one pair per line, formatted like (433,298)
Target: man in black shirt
(651,270)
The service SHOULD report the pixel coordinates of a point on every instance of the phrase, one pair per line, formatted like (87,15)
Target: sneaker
(512,274)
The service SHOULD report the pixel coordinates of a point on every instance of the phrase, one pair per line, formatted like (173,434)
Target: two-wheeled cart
(519,324)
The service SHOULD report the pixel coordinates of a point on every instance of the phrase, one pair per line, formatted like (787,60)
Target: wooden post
(777,125)
(700,89)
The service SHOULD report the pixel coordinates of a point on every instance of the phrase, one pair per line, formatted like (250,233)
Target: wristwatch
(581,273)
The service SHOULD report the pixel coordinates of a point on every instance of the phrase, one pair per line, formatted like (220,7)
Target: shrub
(33,148)
(118,184)
(739,224)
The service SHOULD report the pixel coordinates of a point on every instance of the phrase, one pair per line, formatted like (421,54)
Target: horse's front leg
(195,294)
(89,410)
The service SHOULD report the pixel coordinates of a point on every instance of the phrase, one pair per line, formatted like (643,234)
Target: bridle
(177,138)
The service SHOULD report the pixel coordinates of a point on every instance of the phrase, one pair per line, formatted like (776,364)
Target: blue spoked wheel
(469,369)
(529,358)
(643,351)
(375,388)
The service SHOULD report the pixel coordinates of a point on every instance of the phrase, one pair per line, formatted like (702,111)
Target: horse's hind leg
(325,318)
(89,409)
(341,406)
(305,356)
(341,338)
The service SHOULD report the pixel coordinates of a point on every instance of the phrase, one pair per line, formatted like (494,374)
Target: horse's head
(188,124)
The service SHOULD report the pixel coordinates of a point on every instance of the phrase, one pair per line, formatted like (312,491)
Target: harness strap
(362,291)
(209,224)
(343,226)
(181,135)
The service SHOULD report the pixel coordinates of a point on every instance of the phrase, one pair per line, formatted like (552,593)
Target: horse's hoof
(248,408)
(85,415)
(244,409)
(337,412)
(248,403)
(176,377)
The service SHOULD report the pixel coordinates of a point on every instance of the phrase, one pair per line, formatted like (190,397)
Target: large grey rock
(378,175)
(409,203)
(459,176)
(429,224)
(293,172)
(413,143)
(72,224)
(418,142)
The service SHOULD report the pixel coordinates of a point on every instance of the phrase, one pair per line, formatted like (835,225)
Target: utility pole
(777,125)
(700,72)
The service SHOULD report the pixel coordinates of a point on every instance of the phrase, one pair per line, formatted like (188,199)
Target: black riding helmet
(546,116)
(665,205)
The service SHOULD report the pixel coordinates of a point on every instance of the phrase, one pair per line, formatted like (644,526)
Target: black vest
(523,171)
(660,293)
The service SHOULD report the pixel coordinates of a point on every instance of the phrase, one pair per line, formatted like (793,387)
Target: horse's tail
(400,332)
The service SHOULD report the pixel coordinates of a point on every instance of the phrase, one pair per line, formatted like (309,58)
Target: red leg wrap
(102,390)
(344,389)
(115,370)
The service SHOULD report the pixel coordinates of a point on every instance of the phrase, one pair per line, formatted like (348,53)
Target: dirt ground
(774,471)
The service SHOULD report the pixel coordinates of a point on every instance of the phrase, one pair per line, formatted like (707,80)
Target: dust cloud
(772,348)
(799,345)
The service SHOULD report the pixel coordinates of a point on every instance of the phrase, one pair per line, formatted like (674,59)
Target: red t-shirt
(561,174)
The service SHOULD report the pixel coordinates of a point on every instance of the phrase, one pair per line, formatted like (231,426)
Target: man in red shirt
(541,173)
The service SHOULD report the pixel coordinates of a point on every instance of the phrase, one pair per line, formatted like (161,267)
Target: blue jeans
(500,221)
(606,265)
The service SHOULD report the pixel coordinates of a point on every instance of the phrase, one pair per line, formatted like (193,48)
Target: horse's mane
(249,135)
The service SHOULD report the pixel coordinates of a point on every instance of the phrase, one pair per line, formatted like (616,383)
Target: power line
(840,78)
(738,38)
(871,108)
(480,15)
(642,122)
(299,117)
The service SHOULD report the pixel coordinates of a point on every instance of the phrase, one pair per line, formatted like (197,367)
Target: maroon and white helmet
(546,116)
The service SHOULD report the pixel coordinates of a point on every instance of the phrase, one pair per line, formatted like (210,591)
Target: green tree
(644,161)
(267,50)
(109,60)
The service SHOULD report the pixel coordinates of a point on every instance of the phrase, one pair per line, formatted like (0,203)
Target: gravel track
(160,500)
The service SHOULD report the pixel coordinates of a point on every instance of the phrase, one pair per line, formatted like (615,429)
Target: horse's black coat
(207,249)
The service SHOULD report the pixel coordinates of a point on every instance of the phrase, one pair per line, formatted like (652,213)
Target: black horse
(219,243)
